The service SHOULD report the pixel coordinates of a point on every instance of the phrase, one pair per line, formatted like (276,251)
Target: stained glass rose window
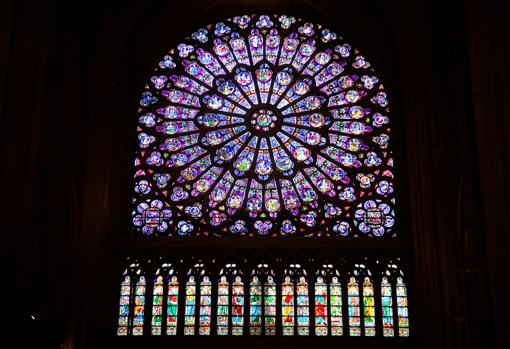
(263,125)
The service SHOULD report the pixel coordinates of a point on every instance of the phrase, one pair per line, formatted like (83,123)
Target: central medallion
(263,119)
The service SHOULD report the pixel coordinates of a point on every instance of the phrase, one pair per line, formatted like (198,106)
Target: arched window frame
(231,300)
(332,293)
(198,313)
(295,298)
(278,288)
(267,303)
(399,300)
(165,312)
(361,303)
(132,301)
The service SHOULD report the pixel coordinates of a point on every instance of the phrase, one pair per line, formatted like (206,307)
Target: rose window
(264,125)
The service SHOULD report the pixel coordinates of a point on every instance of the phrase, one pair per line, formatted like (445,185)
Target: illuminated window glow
(264,125)
(387,308)
(288,307)
(223,293)
(237,307)
(402,311)
(354,308)
(369,307)
(125,300)
(205,307)
(262,295)
(172,306)
(157,306)
(321,308)
(189,320)
(139,309)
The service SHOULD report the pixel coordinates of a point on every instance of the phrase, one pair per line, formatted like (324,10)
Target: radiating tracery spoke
(264,125)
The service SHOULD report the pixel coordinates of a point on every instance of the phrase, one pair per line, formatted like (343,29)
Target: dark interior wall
(489,93)
(70,76)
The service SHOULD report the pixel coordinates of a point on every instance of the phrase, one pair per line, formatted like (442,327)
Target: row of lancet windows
(327,304)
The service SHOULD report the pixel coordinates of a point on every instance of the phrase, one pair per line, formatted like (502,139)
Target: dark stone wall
(70,76)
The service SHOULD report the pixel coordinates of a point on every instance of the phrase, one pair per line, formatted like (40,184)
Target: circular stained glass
(264,125)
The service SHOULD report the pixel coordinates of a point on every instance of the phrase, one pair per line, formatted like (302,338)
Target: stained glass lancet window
(262,301)
(321,307)
(230,304)
(237,306)
(172,306)
(189,322)
(223,295)
(288,306)
(394,301)
(335,300)
(132,302)
(402,308)
(328,302)
(354,307)
(295,302)
(361,305)
(198,301)
(264,125)
(387,308)
(157,305)
(255,306)
(303,311)
(125,300)
(222,301)
(262,290)
(165,284)
(139,310)
(269,306)
(369,307)
(205,307)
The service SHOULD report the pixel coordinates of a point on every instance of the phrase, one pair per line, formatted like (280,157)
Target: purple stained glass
(264,125)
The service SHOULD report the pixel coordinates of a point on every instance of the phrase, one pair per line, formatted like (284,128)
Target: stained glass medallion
(264,125)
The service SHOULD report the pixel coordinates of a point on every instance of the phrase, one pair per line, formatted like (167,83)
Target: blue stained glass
(258,117)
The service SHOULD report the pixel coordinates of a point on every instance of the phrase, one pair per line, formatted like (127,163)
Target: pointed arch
(321,307)
(237,306)
(172,306)
(328,302)
(255,306)
(139,306)
(205,306)
(262,301)
(264,125)
(368,307)
(402,308)
(361,302)
(295,301)
(132,301)
(164,314)
(394,301)
(353,302)
(157,305)
(230,301)
(124,310)
(387,307)
(190,306)
(223,301)
(197,318)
